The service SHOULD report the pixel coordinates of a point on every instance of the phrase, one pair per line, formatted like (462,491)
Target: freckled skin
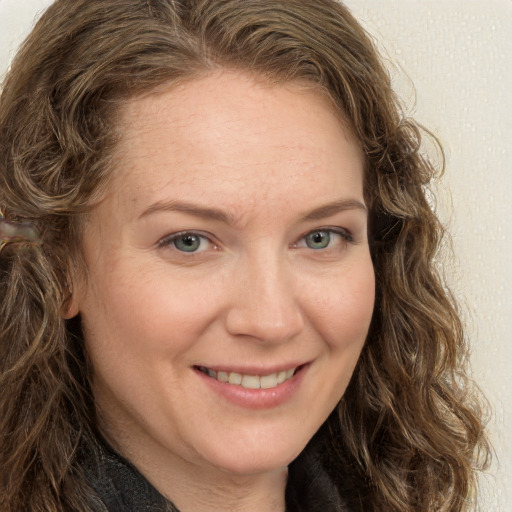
(254,293)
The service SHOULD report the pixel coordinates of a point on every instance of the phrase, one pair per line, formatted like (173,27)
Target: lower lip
(256,398)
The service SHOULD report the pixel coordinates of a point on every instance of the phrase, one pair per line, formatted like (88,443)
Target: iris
(187,242)
(318,240)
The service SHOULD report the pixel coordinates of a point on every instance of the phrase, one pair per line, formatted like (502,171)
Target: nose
(264,304)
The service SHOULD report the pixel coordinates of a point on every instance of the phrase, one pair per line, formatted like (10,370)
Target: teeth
(222,376)
(235,378)
(250,381)
(268,381)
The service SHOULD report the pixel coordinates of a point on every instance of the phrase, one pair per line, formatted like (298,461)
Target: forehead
(231,134)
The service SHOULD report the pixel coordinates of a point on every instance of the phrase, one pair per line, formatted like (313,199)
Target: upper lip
(252,369)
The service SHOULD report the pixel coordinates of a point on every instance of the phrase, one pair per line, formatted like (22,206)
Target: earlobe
(70,306)
(69,309)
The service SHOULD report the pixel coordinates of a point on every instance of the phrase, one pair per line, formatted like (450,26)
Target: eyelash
(172,239)
(343,233)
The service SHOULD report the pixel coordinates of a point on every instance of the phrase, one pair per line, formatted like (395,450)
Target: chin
(257,458)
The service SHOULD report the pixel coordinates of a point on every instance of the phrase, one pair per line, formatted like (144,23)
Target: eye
(318,239)
(187,242)
(324,239)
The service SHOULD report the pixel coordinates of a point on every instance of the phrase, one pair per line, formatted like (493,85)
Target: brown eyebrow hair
(194,209)
(211,213)
(335,207)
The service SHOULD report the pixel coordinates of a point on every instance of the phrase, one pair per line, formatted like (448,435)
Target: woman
(231,303)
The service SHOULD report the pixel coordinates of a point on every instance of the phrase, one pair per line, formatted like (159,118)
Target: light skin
(233,238)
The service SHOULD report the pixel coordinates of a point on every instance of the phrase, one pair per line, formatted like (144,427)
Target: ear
(69,308)
(71,305)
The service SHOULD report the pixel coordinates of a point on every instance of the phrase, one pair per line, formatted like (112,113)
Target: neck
(256,493)
(195,488)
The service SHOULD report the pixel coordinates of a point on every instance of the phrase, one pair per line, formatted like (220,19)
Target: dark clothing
(118,486)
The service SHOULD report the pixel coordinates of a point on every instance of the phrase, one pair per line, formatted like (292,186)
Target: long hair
(408,432)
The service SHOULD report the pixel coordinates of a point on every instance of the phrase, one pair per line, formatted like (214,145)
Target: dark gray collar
(117,484)
(119,487)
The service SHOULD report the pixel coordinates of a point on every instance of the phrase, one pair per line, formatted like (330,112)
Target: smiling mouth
(250,381)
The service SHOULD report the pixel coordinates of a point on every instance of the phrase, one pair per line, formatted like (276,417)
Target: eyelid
(343,232)
(167,240)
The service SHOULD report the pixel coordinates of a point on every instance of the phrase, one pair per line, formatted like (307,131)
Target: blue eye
(186,242)
(327,238)
(318,239)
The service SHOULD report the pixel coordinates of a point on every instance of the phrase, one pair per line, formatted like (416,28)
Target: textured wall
(458,55)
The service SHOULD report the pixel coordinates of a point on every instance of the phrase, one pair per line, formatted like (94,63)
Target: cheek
(177,311)
(148,315)
(344,307)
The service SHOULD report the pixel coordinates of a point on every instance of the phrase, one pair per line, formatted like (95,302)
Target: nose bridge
(264,303)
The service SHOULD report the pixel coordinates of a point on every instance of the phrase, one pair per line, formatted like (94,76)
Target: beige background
(458,55)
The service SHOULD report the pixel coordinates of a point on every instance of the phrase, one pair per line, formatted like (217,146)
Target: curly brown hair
(408,432)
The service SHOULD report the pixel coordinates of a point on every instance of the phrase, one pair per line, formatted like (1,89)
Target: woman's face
(231,245)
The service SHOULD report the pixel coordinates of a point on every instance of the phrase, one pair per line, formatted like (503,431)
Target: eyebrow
(190,208)
(203,212)
(333,208)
